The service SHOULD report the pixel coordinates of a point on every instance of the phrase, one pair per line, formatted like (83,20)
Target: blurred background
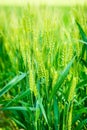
(51,2)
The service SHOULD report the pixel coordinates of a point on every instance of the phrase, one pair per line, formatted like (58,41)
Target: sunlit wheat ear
(54,74)
(40,62)
(32,83)
(72,89)
(47,78)
(64,55)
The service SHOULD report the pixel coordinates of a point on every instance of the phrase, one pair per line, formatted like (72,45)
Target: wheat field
(43,67)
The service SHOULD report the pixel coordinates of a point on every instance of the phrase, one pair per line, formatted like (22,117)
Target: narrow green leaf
(37,114)
(61,78)
(56,113)
(84,38)
(82,33)
(13,82)
(18,122)
(81,41)
(42,108)
(19,96)
(18,108)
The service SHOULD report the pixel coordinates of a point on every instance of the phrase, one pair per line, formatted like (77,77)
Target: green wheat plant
(43,68)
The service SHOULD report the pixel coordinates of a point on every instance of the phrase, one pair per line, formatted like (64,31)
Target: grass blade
(84,38)
(19,96)
(18,108)
(82,33)
(56,114)
(61,78)
(18,122)
(42,108)
(13,82)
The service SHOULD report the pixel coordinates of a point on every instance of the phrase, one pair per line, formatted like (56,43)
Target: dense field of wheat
(43,68)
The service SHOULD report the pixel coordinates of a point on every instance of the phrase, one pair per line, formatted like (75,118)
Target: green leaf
(82,33)
(56,113)
(61,79)
(81,41)
(19,96)
(18,108)
(13,82)
(42,108)
(18,122)
(84,38)
(39,102)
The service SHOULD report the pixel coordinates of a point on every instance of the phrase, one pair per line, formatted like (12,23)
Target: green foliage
(43,70)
